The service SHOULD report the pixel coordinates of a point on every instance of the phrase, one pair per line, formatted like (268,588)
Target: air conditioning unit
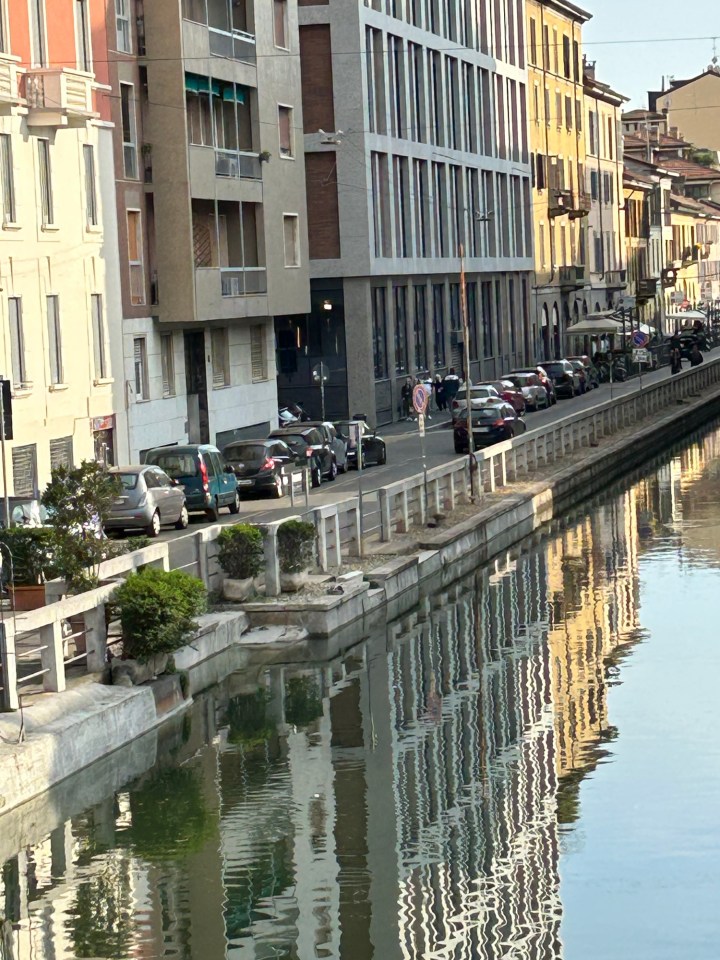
(227,167)
(231,287)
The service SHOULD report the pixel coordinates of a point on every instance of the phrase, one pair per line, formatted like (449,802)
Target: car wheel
(183,520)
(212,513)
(234,506)
(278,490)
(316,477)
(333,470)
(154,526)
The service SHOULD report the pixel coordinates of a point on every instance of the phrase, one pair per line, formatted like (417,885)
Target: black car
(310,443)
(261,465)
(373,446)
(492,423)
(564,377)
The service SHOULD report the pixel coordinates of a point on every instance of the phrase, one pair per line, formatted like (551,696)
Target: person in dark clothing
(696,357)
(439,393)
(451,384)
(675,357)
(406,397)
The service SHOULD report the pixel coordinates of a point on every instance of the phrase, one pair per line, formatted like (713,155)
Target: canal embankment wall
(66,732)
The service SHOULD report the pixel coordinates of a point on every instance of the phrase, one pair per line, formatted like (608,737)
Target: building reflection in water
(406,801)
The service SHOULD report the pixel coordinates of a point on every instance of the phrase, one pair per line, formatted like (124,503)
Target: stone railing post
(272,563)
(51,657)
(385,504)
(8,696)
(96,638)
(321,538)
(355,547)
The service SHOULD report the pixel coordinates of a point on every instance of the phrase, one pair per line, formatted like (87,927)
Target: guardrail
(74,630)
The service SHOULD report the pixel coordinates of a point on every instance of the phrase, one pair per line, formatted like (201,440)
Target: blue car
(200,469)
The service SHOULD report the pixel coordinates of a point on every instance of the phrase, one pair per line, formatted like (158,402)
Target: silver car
(148,499)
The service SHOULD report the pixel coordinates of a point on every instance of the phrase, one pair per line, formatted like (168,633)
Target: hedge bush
(33,551)
(241,551)
(296,545)
(157,610)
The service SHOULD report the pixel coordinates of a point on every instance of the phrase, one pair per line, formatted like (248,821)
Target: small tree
(157,610)
(296,545)
(79,500)
(241,551)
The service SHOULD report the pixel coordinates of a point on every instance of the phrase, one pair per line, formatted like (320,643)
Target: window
(17,341)
(195,10)
(594,185)
(61,453)
(438,324)
(285,131)
(140,368)
(219,357)
(258,359)
(379,321)
(54,339)
(199,118)
(122,25)
(91,211)
(566,57)
(7,179)
(83,39)
(24,468)
(568,113)
(280,23)
(38,38)
(135,260)
(421,362)
(46,195)
(129,131)
(533,41)
(290,233)
(99,343)
(4,45)
(400,295)
(167,361)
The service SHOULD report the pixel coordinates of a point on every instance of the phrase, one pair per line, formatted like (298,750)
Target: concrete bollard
(8,696)
(272,562)
(96,638)
(51,657)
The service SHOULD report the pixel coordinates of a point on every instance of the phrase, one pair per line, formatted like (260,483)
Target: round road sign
(421,398)
(640,339)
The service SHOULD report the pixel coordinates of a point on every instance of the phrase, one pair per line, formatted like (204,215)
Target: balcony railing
(581,204)
(238,163)
(9,86)
(573,276)
(243,281)
(233,45)
(560,202)
(616,279)
(58,96)
(647,288)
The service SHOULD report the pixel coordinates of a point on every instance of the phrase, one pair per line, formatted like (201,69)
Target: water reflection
(414,799)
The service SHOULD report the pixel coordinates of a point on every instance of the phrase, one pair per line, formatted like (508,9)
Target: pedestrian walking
(452,385)
(406,397)
(439,392)
(675,356)
(427,382)
(696,357)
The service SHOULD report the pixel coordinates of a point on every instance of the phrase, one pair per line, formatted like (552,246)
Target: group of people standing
(443,391)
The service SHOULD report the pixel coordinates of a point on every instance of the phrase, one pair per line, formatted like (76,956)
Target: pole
(359,460)
(322,392)
(468,378)
(6,498)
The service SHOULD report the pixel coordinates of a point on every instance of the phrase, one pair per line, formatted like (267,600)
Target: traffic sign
(641,356)
(320,373)
(421,398)
(640,339)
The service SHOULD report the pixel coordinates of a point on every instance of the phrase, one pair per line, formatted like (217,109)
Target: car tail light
(204,476)
(309,452)
(499,423)
(268,464)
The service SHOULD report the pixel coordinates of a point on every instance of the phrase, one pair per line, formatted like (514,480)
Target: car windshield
(175,464)
(521,380)
(247,452)
(488,413)
(296,442)
(129,481)
(555,367)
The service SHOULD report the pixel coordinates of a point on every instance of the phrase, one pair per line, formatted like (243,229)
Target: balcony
(9,83)
(232,44)
(669,277)
(581,204)
(572,277)
(560,202)
(647,288)
(243,281)
(58,97)
(616,279)
(238,163)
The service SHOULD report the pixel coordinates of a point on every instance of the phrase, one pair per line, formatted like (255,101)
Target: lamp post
(468,378)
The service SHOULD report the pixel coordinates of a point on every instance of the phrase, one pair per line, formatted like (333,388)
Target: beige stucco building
(693,106)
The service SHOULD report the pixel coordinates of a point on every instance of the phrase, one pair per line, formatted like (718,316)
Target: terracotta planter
(28,597)
(292,582)
(238,591)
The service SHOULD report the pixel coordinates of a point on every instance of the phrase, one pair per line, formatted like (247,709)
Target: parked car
(534,393)
(309,442)
(260,466)
(373,446)
(337,444)
(490,424)
(565,378)
(591,372)
(508,392)
(149,500)
(200,469)
(479,394)
(583,373)
(544,378)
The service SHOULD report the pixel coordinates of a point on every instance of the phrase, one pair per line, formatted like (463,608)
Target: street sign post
(421,399)
(321,375)
(641,356)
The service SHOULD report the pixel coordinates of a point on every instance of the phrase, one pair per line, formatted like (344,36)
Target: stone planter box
(238,591)
(292,582)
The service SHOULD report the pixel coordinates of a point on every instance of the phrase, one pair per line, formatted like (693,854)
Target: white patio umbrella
(595,325)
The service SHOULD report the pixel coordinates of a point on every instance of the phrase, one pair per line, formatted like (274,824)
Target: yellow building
(561,202)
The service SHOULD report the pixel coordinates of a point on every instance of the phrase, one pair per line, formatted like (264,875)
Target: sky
(638,64)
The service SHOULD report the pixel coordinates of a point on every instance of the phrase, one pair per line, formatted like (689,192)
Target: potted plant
(296,549)
(241,555)
(79,500)
(32,550)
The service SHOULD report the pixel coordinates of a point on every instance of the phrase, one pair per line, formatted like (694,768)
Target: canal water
(525,767)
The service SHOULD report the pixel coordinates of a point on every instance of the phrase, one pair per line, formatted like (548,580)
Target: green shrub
(296,545)
(33,551)
(157,610)
(241,552)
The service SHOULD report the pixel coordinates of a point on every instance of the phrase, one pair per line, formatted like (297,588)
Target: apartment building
(693,106)
(211,213)
(607,268)
(415,133)
(58,247)
(561,200)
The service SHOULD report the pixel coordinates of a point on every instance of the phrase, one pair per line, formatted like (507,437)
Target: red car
(544,379)
(507,390)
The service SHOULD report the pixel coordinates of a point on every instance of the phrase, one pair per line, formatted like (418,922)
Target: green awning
(231,93)
(194,83)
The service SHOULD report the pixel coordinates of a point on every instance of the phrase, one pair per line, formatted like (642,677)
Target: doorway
(196,387)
